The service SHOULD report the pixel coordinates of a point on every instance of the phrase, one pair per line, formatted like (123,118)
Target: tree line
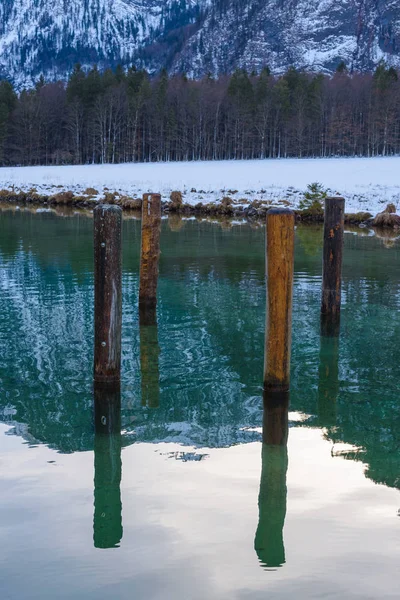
(126,115)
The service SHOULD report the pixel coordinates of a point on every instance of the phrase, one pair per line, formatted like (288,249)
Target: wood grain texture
(107,293)
(149,257)
(332,265)
(280,266)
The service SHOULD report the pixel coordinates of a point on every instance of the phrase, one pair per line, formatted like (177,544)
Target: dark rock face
(304,33)
(196,36)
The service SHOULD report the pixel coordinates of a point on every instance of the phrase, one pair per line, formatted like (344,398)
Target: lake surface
(187,502)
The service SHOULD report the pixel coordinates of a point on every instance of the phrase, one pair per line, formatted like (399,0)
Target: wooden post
(107,294)
(280,266)
(332,265)
(107,519)
(150,255)
(269,543)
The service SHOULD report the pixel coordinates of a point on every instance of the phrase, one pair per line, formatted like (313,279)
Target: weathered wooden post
(280,267)
(107,518)
(332,265)
(149,259)
(149,365)
(269,543)
(107,294)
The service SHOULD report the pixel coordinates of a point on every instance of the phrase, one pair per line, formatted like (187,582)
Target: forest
(124,115)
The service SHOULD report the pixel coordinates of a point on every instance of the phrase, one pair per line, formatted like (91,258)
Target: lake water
(186,502)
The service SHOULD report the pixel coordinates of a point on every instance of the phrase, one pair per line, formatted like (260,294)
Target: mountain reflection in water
(208,344)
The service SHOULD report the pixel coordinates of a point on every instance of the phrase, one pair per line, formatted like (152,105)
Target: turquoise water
(176,504)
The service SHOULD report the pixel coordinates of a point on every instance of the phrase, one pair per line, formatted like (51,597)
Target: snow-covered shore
(368,184)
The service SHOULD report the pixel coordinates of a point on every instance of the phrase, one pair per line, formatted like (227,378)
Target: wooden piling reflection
(328,380)
(275,418)
(280,267)
(150,255)
(107,520)
(269,543)
(149,365)
(332,266)
(107,294)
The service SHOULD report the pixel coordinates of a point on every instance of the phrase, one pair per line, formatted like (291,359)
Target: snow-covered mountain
(196,36)
(49,36)
(303,33)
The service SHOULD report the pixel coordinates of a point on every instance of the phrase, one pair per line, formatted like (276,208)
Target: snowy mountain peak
(196,36)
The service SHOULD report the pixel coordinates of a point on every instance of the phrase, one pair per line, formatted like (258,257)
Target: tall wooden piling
(332,265)
(280,266)
(107,294)
(107,518)
(149,259)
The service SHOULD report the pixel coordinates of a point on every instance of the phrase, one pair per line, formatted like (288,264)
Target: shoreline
(176,221)
(367,184)
(227,209)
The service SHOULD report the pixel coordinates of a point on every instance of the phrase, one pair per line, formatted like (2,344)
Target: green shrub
(313,197)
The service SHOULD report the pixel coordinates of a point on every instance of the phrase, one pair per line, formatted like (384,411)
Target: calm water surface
(186,502)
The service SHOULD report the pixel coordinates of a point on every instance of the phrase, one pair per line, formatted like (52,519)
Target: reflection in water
(107,523)
(147,315)
(175,222)
(328,381)
(211,370)
(330,325)
(268,542)
(149,365)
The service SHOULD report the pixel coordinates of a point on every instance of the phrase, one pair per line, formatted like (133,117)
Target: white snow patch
(368,184)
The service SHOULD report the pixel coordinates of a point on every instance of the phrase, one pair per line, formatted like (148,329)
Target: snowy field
(368,184)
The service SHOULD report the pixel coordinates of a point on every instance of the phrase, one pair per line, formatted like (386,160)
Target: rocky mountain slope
(49,36)
(195,36)
(305,33)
